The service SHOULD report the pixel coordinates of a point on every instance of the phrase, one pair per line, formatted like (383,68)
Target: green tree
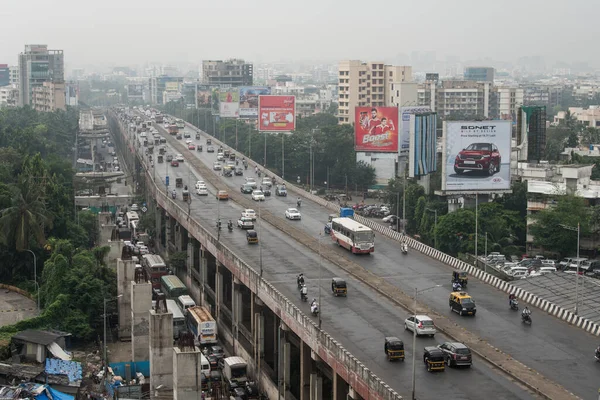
(178,260)
(455,232)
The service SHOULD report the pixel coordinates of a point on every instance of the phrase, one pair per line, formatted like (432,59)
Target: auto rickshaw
(461,277)
(199,148)
(433,358)
(232,157)
(162,150)
(179,182)
(186,195)
(226,153)
(197,136)
(394,348)
(251,236)
(160,159)
(208,141)
(338,287)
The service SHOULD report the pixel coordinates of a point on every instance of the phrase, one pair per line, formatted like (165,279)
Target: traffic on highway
(361,324)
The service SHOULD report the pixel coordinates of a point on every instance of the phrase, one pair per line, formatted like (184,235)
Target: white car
(202,191)
(252,182)
(200,184)
(292,213)
(257,195)
(424,325)
(249,213)
(230,163)
(220,156)
(143,250)
(188,141)
(267,182)
(179,157)
(388,218)
(245,223)
(217,166)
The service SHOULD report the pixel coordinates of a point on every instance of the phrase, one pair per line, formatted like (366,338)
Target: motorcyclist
(174,193)
(230,225)
(598,352)
(314,306)
(511,299)
(219,223)
(526,312)
(256,170)
(300,280)
(303,292)
(299,202)
(456,287)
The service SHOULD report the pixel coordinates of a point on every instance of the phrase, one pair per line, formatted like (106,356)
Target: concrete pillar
(141,303)
(161,350)
(125,274)
(316,380)
(115,252)
(258,330)
(168,228)
(187,383)
(106,227)
(340,387)
(236,310)
(305,369)
(158,222)
(219,290)
(287,357)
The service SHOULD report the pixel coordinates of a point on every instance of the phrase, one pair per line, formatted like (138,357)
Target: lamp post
(35,276)
(578,229)
(476,223)
(260,242)
(414,345)
(320,277)
(434,226)
(105,346)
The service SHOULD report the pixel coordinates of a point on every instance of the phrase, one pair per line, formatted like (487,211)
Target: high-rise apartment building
(14,75)
(48,97)
(507,100)
(37,65)
(4,75)
(234,72)
(459,98)
(365,84)
(479,74)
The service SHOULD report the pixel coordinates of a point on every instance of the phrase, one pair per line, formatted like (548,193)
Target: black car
(210,149)
(281,191)
(179,136)
(246,189)
(239,171)
(267,192)
(456,354)
(213,361)
(216,351)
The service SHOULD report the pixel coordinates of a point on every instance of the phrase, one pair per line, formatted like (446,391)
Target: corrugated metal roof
(39,337)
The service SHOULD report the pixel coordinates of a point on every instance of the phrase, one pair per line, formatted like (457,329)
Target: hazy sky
(126,32)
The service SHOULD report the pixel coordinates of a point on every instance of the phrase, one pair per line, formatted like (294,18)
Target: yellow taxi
(462,303)
(222,195)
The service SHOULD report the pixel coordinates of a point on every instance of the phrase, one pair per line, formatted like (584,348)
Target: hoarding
(229,96)
(204,96)
(135,90)
(249,100)
(277,113)
(172,86)
(423,144)
(404,134)
(476,155)
(229,109)
(376,129)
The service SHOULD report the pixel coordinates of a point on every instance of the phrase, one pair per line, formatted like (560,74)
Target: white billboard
(229,110)
(404,134)
(476,155)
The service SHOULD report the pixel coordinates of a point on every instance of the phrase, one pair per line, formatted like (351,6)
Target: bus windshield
(363,237)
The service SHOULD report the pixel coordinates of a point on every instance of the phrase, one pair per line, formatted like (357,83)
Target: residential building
(264,74)
(4,75)
(507,100)
(72,93)
(9,96)
(37,65)
(159,84)
(366,84)
(542,95)
(48,97)
(14,75)
(234,72)
(450,97)
(479,74)
(589,117)
(404,94)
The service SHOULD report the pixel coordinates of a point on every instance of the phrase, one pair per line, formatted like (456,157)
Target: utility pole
(404,202)
(282,156)
(476,223)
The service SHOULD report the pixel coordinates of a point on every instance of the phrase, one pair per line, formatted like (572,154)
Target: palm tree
(27,216)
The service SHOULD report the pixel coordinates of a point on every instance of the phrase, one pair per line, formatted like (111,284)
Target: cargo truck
(202,325)
(235,370)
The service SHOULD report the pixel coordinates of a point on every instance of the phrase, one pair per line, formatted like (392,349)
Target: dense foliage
(37,214)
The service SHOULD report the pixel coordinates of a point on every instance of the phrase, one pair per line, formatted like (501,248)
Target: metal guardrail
(355,373)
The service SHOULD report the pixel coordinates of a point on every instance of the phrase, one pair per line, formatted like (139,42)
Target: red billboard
(277,113)
(376,129)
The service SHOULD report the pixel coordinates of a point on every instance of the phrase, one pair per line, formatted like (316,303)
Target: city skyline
(140,32)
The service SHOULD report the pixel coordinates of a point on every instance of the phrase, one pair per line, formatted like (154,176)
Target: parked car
(422,324)
(456,354)
(478,157)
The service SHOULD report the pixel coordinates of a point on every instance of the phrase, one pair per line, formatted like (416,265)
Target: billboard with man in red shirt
(376,129)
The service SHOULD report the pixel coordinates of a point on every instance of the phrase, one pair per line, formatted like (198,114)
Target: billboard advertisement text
(404,134)
(249,100)
(277,113)
(476,156)
(423,144)
(376,129)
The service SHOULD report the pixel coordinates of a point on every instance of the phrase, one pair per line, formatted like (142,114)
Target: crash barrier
(17,290)
(348,367)
(454,262)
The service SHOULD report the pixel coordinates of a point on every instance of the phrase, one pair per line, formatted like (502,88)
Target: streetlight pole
(485,253)
(578,229)
(476,222)
(260,242)
(398,211)
(105,346)
(282,156)
(265,156)
(320,277)
(434,226)
(404,201)
(35,276)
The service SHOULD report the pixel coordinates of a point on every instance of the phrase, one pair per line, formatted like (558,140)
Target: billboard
(249,100)
(172,86)
(404,134)
(376,129)
(277,113)
(229,109)
(135,90)
(204,96)
(423,144)
(476,155)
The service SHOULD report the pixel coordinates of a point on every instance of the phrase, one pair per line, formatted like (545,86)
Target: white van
(204,365)
(184,302)
(516,270)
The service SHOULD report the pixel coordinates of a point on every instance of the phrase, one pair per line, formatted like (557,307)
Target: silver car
(423,325)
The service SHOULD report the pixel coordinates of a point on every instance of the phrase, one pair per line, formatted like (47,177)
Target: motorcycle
(230,227)
(174,194)
(526,319)
(456,287)
(404,248)
(314,309)
(303,297)
(219,225)
(514,305)
(597,355)
(299,203)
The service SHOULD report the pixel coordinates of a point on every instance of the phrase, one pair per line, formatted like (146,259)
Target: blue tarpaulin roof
(72,369)
(54,395)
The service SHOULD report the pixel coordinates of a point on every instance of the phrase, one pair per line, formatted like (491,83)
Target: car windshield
(463,351)
(292,210)
(480,147)
(247,186)
(467,302)
(257,193)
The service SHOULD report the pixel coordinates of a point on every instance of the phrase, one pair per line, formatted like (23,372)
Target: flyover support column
(158,222)
(168,229)
(218,289)
(286,349)
(258,329)
(125,274)
(236,310)
(316,380)
(340,387)
(203,267)
(305,369)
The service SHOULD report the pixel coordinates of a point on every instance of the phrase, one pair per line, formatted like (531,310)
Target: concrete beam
(125,274)
(161,349)
(141,303)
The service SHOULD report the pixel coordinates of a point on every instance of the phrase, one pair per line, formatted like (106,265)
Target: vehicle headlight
(464,309)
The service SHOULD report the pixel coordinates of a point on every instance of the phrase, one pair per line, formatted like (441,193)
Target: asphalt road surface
(359,322)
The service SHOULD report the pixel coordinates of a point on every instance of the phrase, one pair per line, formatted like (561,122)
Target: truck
(158,118)
(235,370)
(202,325)
(344,212)
(173,129)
